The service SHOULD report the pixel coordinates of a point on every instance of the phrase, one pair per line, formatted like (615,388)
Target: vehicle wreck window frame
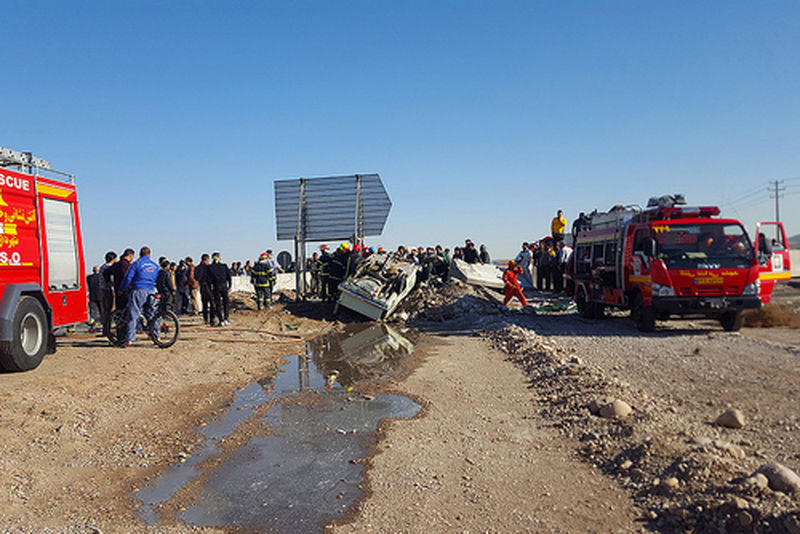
(691,257)
(62,244)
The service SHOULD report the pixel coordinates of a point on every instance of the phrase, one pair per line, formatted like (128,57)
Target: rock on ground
(731,418)
(781,478)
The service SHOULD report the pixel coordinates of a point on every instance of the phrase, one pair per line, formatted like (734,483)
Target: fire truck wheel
(26,350)
(643,316)
(732,320)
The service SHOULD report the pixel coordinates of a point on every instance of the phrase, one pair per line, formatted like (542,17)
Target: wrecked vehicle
(379,284)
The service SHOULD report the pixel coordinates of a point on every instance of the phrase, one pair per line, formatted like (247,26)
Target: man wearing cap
(263,276)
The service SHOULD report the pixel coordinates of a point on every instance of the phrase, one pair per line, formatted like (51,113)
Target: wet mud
(305,470)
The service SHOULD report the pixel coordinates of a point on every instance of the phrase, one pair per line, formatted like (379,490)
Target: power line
(745,196)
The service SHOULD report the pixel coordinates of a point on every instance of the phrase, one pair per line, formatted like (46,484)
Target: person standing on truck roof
(220,285)
(512,288)
(95,283)
(107,303)
(141,280)
(203,278)
(579,225)
(557,226)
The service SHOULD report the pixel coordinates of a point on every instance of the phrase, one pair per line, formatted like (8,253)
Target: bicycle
(162,328)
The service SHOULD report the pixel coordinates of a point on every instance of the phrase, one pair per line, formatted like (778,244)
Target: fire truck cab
(670,259)
(42,282)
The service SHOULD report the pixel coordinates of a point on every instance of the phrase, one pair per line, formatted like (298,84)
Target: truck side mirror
(650,247)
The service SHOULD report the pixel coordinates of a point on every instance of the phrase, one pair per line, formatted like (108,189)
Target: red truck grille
(709,290)
(718,290)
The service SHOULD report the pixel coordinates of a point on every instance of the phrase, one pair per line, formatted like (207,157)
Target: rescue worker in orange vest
(512,287)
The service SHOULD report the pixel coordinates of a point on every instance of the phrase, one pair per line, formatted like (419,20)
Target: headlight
(752,289)
(660,290)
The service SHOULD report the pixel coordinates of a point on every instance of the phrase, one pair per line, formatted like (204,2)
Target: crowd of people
(126,284)
(123,283)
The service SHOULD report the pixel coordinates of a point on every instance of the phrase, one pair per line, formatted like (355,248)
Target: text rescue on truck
(42,283)
(670,259)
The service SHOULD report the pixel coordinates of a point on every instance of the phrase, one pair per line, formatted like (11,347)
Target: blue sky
(482,118)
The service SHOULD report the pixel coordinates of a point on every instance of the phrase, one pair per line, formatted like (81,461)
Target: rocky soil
(699,425)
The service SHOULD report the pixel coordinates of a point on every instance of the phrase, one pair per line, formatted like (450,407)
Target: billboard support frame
(328,208)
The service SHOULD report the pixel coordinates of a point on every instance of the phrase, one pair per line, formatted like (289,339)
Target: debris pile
(682,482)
(445,301)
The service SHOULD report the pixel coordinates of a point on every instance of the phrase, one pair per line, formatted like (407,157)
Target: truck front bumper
(704,305)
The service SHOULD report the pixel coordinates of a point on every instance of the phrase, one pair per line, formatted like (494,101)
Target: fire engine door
(773,256)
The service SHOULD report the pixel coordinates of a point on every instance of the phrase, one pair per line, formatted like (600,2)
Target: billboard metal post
(300,245)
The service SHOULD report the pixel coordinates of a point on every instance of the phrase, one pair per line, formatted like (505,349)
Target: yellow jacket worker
(557,226)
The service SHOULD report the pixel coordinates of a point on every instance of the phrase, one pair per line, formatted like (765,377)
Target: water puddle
(307,472)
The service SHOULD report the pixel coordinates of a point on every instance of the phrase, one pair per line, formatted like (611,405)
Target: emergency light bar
(678,213)
(26,159)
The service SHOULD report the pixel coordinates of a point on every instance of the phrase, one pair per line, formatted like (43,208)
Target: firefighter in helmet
(263,276)
(339,267)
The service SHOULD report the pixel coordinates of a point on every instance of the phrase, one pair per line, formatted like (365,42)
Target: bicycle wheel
(168,329)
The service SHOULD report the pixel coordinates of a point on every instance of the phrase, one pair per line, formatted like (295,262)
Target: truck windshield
(703,246)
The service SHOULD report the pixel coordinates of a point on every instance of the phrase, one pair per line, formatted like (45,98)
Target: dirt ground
(505,441)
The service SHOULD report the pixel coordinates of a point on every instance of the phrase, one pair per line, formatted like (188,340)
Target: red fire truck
(671,259)
(42,283)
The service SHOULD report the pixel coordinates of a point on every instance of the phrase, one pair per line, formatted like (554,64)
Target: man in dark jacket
(182,288)
(220,276)
(203,277)
(484,255)
(545,266)
(114,276)
(164,283)
(107,302)
(323,268)
(470,254)
(95,283)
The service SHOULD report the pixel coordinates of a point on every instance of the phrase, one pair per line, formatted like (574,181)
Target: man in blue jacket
(141,279)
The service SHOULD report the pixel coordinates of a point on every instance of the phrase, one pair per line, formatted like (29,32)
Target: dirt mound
(772,315)
(682,482)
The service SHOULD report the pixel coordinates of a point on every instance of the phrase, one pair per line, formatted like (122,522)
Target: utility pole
(776,190)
